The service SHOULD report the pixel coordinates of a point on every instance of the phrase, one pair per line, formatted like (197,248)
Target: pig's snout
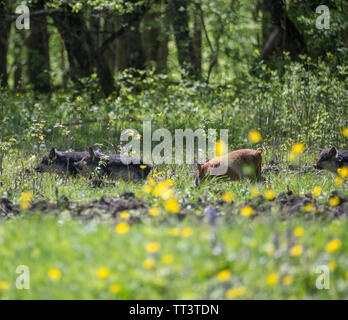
(38,169)
(318,166)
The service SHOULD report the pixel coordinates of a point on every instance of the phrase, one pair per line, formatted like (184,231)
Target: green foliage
(307,103)
(319,42)
(120,6)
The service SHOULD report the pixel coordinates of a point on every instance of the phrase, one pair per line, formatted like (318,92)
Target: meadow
(165,238)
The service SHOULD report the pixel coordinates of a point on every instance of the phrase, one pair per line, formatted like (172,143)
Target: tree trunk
(104,71)
(155,40)
(121,57)
(266,21)
(83,49)
(38,52)
(130,52)
(110,25)
(95,28)
(73,30)
(134,48)
(184,43)
(197,42)
(285,36)
(65,73)
(105,75)
(4,36)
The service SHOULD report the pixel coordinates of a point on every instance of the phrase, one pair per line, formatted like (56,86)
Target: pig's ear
(91,152)
(333,152)
(259,150)
(52,154)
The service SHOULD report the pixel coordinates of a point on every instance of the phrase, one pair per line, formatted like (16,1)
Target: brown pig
(234,166)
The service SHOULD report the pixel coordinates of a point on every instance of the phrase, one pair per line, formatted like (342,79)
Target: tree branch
(213,51)
(14,17)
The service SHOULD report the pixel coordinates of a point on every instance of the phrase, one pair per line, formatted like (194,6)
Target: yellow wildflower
(269,195)
(345,132)
(154,212)
(147,188)
(167,259)
(317,191)
(124,215)
(122,228)
(150,181)
(343,172)
(148,263)
(224,275)
(296,251)
(333,245)
(186,232)
(236,292)
(246,211)
(167,193)
(272,279)
(220,148)
(4,285)
(309,207)
(298,231)
(298,148)
(54,274)
(168,182)
(254,136)
(24,201)
(172,205)
(227,197)
(334,201)
(162,189)
(338,180)
(254,192)
(103,273)
(174,232)
(115,288)
(332,266)
(153,247)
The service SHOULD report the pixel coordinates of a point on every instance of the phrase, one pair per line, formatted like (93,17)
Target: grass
(71,259)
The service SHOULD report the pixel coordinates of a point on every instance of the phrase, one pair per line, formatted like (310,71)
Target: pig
(60,162)
(240,163)
(111,166)
(331,159)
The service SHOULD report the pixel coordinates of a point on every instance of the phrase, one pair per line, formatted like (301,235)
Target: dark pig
(60,162)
